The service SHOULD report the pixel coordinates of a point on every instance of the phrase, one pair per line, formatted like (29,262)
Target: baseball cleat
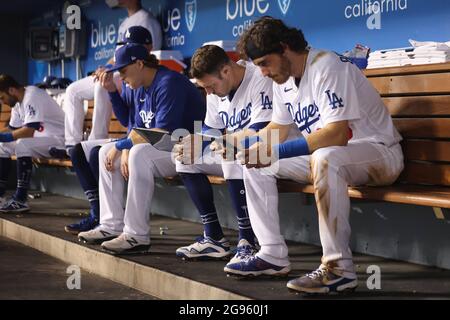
(244,249)
(205,248)
(254,266)
(322,281)
(14,206)
(126,244)
(86,224)
(58,153)
(97,235)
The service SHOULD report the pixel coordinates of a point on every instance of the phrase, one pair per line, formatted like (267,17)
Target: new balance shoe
(244,249)
(205,248)
(253,266)
(126,244)
(86,224)
(97,235)
(14,206)
(322,281)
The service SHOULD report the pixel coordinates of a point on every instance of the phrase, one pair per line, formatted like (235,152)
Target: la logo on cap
(128,34)
(133,58)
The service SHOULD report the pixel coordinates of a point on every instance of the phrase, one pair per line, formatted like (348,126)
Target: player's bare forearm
(271,131)
(24,132)
(333,134)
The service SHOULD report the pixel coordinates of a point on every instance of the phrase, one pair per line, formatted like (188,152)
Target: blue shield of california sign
(284,5)
(191,14)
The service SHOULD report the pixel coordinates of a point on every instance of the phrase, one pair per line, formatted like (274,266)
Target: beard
(283,73)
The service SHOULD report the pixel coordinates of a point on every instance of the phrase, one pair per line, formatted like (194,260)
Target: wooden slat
(407,194)
(406,70)
(6,108)
(413,84)
(426,150)
(423,128)
(114,126)
(426,173)
(398,193)
(423,106)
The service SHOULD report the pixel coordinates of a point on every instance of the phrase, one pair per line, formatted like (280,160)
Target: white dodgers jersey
(251,103)
(144,19)
(332,89)
(38,107)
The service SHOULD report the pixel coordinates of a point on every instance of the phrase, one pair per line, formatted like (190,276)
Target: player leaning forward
(239,103)
(167,101)
(348,138)
(37,124)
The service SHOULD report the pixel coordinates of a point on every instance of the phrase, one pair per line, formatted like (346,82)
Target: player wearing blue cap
(167,101)
(89,89)
(84,155)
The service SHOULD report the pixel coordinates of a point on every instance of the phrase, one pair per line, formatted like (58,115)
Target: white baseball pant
(76,93)
(144,164)
(331,170)
(30,147)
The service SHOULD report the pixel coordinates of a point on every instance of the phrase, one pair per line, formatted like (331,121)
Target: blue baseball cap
(136,34)
(129,54)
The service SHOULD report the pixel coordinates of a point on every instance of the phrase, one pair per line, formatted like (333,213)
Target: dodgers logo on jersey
(335,101)
(191,14)
(31,111)
(265,101)
(147,118)
(305,116)
(284,5)
(239,120)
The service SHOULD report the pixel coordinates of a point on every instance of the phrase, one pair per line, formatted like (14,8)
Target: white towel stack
(420,53)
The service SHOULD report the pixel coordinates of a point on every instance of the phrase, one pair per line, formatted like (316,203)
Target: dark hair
(6,82)
(152,62)
(208,59)
(266,35)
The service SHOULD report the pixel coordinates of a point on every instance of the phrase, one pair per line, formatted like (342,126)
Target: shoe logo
(142,100)
(104,233)
(132,242)
(287,89)
(223,99)
(328,282)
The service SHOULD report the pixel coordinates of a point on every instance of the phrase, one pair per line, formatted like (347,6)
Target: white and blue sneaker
(205,248)
(97,235)
(244,249)
(252,266)
(126,244)
(14,206)
(322,281)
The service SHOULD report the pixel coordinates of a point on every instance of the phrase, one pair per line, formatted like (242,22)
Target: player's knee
(137,159)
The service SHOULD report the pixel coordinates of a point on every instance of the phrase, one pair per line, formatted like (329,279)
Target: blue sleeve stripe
(34,125)
(259,125)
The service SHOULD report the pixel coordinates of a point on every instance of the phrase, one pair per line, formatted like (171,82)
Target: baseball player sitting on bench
(167,101)
(84,155)
(239,102)
(89,88)
(37,123)
(348,138)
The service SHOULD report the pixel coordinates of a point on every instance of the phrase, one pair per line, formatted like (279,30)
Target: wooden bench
(418,98)
(116,130)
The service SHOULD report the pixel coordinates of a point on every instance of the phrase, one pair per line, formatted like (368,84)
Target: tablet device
(161,140)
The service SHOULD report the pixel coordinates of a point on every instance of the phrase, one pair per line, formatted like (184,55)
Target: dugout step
(163,275)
